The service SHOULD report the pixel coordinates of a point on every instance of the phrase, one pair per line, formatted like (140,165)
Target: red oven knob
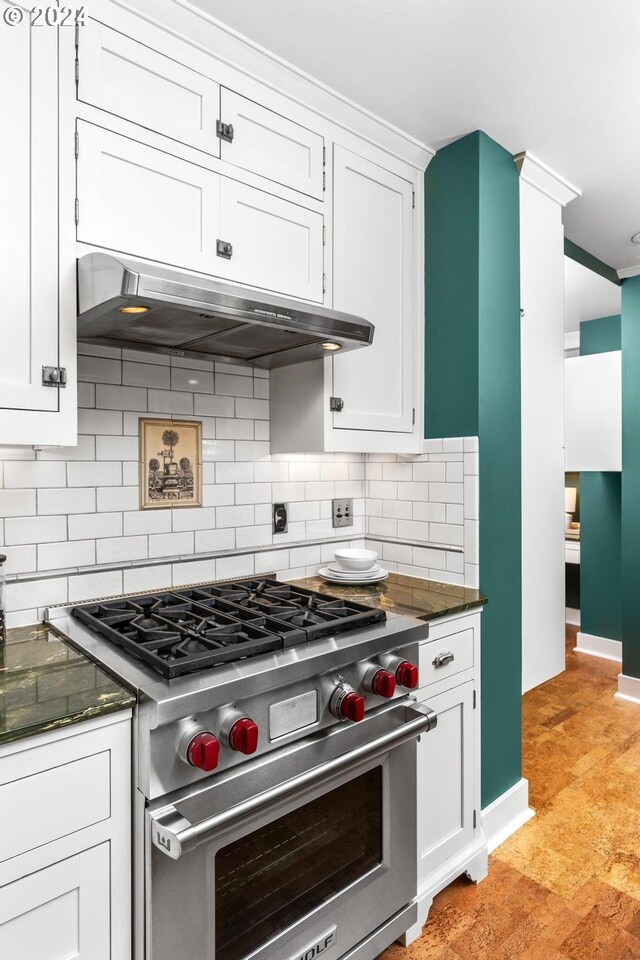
(243,736)
(383,684)
(407,675)
(346,704)
(352,707)
(203,751)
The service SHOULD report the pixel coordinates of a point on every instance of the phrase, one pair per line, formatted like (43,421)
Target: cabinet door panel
(277,245)
(142,201)
(272,146)
(29,219)
(132,81)
(445,779)
(372,278)
(59,913)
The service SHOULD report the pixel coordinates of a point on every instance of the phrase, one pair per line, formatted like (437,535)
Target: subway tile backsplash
(72,529)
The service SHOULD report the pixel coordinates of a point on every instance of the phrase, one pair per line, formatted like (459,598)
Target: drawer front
(132,81)
(271,145)
(446,657)
(54,803)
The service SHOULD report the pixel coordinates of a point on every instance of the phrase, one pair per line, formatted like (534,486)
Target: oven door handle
(174,835)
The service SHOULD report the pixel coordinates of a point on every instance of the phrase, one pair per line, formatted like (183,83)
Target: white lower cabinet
(60,912)
(450,836)
(446,820)
(65,844)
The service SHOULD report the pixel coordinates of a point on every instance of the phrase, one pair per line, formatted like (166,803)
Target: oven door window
(273,877)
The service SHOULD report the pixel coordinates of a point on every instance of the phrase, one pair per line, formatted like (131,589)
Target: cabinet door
(372,278)
(29,218)
(445,779)
(277,245)
(128,79)
(142,201)
(59,913)
(271,145)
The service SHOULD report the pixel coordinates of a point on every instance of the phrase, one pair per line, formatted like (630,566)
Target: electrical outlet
(280,518)
(342,512)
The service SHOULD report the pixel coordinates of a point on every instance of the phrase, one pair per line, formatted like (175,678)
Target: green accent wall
(631,477)
(472,370)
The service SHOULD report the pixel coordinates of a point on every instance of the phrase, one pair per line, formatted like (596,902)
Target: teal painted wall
(631,477)
(600,517)
(472,364)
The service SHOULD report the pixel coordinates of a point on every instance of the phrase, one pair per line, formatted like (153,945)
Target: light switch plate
(342,512)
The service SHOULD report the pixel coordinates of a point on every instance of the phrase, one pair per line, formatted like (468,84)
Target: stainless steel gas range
(275,768)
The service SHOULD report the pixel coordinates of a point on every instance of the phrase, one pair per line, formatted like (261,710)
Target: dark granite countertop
(423,599)
(45,683)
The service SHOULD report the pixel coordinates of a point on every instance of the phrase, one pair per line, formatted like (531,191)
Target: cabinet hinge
(336,404)
(475,699)
(413,199)
(324,235)
(475,819)
(77,72)
(77,211)
(77,144)
(324,156)
(413,417)
(224,131)
(324,181)
(54,377)
(324,283)
(77,34)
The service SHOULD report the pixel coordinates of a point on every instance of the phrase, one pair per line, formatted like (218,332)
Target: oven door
(304,851)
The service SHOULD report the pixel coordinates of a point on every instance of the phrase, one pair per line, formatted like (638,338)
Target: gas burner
(182,631)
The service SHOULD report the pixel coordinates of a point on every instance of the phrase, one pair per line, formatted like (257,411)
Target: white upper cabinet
(277,245)
(373,278)
(132,81)
(135,199)
(29,241)
(262,141)
(138,200)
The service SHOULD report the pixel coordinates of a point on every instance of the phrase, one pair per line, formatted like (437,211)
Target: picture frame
(170,463)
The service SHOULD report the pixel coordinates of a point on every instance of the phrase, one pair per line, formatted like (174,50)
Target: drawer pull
(443,659)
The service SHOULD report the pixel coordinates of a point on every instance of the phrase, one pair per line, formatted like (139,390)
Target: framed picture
(170,463)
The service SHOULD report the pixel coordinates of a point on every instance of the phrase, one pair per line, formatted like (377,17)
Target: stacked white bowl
(353,565)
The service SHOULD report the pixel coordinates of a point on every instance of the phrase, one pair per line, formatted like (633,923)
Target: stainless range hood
(128,303)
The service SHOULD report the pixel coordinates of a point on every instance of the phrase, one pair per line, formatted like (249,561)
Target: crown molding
(544,179)
(625,272)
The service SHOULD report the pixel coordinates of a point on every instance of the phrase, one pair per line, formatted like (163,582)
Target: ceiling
(587,296)
(554,77)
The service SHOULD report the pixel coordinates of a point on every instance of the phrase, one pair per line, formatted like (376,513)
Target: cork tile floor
(567,885)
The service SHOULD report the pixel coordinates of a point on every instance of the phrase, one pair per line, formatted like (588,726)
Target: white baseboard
(506,814)
(601,647)
(628,688)
(572,616)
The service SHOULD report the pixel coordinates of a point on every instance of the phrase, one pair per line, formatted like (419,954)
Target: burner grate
(181,631)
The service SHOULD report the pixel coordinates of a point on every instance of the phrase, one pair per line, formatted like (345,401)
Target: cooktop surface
(182,631)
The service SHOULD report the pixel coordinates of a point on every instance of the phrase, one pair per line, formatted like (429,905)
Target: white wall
(542,346)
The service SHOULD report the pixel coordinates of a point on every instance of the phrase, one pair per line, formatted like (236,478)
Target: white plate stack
(352,566)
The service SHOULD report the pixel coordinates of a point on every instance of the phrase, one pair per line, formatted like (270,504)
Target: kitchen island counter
(412,596)
(45,684)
